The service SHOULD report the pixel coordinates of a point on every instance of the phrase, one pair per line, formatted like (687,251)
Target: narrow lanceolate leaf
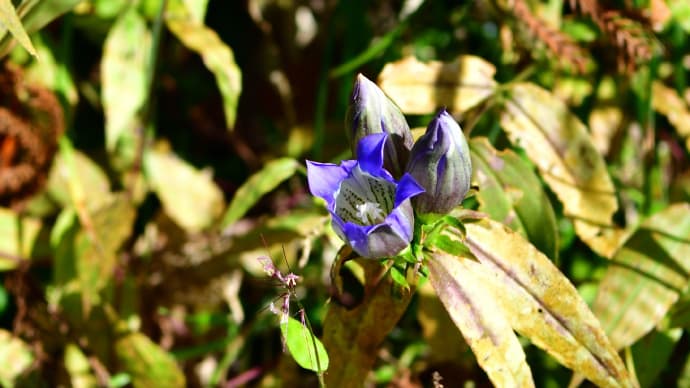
(15,358)
(217,56)
(147,363)
(559,144)
(123,74)
(423,87)
(460,284)
(10,21)
(543,305)
(667,102)
(258,185)
(305,348)
(512,194)
(646,276)
(189,196)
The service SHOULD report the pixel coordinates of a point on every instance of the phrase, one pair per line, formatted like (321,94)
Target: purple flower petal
(407,187)
(370,153)
(324,178)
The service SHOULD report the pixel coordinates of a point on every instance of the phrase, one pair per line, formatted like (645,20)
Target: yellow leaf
(189,196)
(10,21)
(460,284)
(422,88)
(542,304)
(563,151)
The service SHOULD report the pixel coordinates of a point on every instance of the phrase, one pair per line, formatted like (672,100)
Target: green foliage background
(172,138)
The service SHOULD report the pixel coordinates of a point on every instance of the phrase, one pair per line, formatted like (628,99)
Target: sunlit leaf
(459,284)
(511,193)
(217,56)
(147,364)
(189,196)
(353,336)
(301,343)
(10,20)
(258,185)
(20,236)
(559,144)
(646,276)
(126,57)
(542,304)
(667,102)
(15,357)
(421,88)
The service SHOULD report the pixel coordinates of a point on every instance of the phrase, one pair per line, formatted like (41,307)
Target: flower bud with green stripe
(370,210)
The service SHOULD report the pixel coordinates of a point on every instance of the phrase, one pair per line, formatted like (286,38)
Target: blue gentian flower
(370,210)
(440,162)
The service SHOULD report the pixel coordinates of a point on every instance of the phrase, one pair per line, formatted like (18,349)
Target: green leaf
(217,56)
(189,196)
(646,276)
(78,367)
(15,357)
(10,20)
(301,342)
(543,305)
(21,238)
(147,364)
(353,336)
(126,57)
(652,353)
(422,88)
(258,185)
(511,193)
(559,145)
(460,285)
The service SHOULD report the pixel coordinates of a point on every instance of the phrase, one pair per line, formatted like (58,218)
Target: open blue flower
(371,211)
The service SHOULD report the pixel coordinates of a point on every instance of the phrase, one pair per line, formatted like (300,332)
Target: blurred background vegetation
(151,151)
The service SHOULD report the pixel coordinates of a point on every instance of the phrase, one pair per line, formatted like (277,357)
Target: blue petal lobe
(407,187)
(324,178)
(370,152)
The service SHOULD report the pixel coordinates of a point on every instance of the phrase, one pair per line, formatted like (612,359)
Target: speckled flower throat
(364,199)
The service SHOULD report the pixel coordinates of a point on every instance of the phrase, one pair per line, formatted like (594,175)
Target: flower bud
(370,112)
(440,163)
